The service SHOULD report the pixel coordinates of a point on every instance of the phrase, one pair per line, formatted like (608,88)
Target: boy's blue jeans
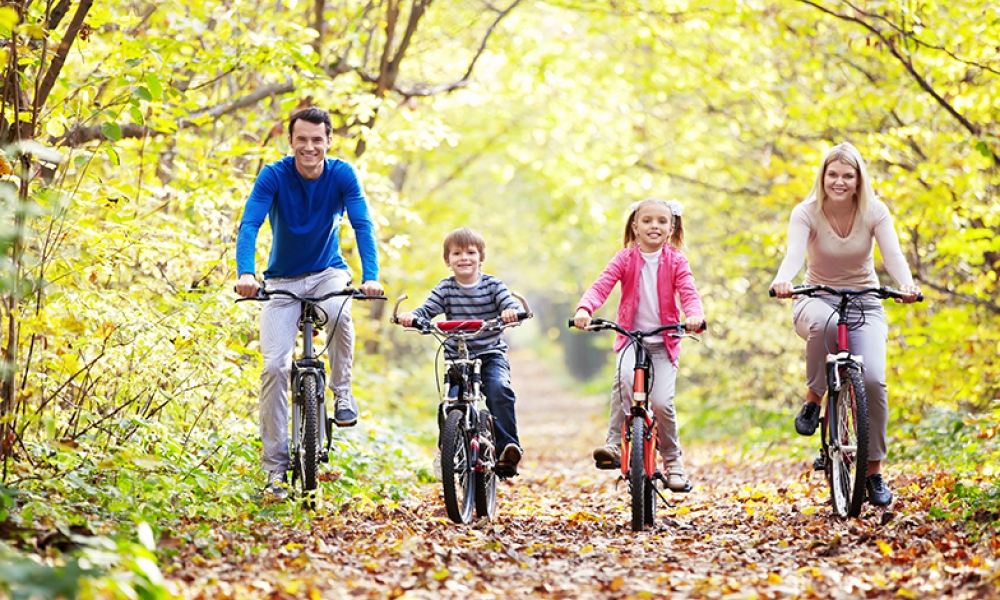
(500,399)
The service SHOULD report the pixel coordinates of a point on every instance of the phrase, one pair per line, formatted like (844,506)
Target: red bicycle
(638,464)
(844,439)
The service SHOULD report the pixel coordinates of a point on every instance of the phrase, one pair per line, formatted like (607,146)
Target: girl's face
(653,225)
(840,182)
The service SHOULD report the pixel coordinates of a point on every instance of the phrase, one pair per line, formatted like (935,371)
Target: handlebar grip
(770,292)
(523,315)
(421,324)
(704,326)
(570,324)
(920,297)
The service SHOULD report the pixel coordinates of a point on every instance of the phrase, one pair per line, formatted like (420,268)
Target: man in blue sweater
(303,197)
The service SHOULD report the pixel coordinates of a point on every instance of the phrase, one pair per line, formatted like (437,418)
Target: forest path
(748,530)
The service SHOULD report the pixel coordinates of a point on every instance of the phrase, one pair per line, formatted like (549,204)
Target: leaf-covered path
(750,529)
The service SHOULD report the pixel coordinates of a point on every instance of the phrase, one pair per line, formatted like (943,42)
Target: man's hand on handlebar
(247,285)
(582,319)
(372,288)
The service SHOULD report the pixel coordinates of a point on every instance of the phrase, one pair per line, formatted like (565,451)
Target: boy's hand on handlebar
(911,291)
(247,285)
(509,316)
(582,319)
(782,289)
(405,319)
(372,288)
(694,325)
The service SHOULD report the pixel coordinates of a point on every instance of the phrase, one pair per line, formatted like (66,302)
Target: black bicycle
(844,439)
(639,436)
(469,470)
(311,429)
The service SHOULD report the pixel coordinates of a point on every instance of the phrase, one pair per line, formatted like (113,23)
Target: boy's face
(464,263)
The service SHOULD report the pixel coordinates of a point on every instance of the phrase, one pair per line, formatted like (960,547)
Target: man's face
(309,144)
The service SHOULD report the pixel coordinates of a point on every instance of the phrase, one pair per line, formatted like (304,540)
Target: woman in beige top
(833,231)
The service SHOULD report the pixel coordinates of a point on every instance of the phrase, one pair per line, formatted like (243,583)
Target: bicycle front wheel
(637,474)
(457,475)
(486,479)
(310,437)
(649,495)
(848,445)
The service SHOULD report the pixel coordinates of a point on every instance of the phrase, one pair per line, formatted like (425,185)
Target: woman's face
(840,184)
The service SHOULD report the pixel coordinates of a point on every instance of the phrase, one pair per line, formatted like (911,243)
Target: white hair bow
(673,205)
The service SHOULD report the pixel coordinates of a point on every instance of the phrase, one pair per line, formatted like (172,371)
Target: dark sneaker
(509,458)
(808,419)
(345,411)
(276,488)
(819,463)
(878,493)
(608,457)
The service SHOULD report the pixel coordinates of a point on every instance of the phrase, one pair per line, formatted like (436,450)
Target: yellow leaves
(587,549)
(906,593)
(8,18)
(883,547)
(774,579)
(5,166)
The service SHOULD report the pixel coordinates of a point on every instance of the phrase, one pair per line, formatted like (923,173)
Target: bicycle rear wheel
(486,479)
(848,445)
(637,474)
(457,476)
(310,438)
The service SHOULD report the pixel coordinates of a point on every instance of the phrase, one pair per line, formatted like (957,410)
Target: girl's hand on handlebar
(911,291)
(694,325)
(247,285)
(372,288)
(509,316)
(582,319)
(782,289)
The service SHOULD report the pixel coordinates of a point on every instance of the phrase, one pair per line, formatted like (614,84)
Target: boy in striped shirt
(471,294)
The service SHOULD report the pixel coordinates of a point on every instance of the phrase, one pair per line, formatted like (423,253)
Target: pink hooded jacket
(674,277)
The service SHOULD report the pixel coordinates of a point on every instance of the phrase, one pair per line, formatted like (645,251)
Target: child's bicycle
(639,452)
(469,470)
(844,439)
(311,430)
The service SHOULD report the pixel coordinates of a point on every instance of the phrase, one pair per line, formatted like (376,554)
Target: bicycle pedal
(608,465)
(324,457)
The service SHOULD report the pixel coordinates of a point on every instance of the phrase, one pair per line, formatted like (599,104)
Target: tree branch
(64,47)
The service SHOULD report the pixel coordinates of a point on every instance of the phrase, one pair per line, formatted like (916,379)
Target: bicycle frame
(640,410)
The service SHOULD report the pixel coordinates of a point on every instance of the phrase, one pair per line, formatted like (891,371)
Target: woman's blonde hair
(676,237)
(865,194)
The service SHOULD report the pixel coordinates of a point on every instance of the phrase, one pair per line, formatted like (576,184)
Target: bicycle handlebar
(679,329)
(265,294)
(882,292)
(467,328)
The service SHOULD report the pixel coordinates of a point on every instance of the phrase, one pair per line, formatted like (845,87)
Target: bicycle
(638,460)
(844,433)
(309,443)
(465,426)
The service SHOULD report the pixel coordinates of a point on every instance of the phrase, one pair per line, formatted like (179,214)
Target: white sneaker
(276,485)
(437,466)
(677,479)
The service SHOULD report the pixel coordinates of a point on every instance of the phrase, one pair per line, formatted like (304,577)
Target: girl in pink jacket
(654,275)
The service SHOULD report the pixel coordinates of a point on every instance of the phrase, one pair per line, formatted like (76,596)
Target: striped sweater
(486,299)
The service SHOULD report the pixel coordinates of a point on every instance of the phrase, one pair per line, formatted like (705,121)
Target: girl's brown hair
(676,237)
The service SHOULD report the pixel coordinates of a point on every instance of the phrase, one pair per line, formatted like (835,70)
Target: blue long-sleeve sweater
(305,220)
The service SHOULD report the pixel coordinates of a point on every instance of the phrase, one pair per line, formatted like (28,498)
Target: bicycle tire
(649,493)
(456,472)
(848,440)
(637,474)
(486,478)
(310,437)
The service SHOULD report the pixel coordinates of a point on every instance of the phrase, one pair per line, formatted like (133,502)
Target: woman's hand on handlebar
(582,319)
(782,289)
(372,288)
(911,293)
(247,285)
